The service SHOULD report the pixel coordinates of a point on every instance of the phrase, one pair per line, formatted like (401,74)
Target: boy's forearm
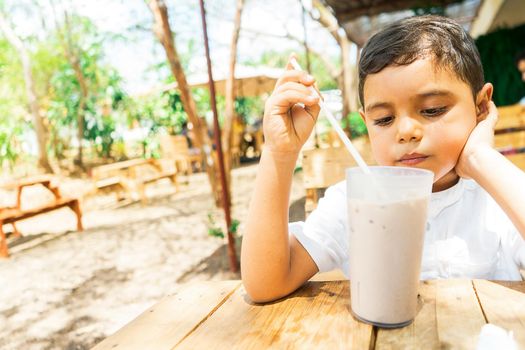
(266,250)
(504,182)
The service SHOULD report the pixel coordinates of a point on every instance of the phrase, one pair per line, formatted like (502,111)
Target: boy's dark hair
(520,56)
(407,40)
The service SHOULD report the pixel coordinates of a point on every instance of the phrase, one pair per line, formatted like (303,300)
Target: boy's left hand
(480,140)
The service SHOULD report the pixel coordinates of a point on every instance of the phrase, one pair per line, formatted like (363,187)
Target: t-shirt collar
(442,199)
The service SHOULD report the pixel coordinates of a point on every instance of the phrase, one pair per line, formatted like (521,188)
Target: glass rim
(417,172)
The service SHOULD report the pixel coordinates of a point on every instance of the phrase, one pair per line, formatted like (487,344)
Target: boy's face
(419,116)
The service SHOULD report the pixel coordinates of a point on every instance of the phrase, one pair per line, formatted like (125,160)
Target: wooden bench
(324,167)
(130,177)
(176,147)
(509,136)
(162,170)
(11,215)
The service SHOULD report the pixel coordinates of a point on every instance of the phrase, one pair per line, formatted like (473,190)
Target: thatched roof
(362,18)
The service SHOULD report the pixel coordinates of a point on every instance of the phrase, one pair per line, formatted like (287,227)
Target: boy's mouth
(412,159)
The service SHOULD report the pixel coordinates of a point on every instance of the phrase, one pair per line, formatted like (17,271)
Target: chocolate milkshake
(386,227)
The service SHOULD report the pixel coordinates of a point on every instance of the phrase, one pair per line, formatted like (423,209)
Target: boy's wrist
(481,161)
(281,156)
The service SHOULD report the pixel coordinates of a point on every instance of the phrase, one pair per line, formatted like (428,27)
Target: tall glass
(387,213)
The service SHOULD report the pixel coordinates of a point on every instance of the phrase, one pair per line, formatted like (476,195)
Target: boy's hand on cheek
(481,140)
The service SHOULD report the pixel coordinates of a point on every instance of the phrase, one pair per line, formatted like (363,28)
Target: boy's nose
(409,130)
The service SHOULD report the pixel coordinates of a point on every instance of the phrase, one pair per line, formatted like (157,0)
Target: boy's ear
(482,101)
(362,114)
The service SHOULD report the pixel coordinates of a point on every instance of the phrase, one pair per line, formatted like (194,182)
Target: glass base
(383,325)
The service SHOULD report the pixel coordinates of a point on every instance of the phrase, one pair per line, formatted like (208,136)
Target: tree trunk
(355,81)
(72,56)
(230,95)
(305,44)
(40,130)
(347,83)
(164,34)
(347,75)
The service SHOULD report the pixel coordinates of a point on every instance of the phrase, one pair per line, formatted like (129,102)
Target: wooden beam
(486,14)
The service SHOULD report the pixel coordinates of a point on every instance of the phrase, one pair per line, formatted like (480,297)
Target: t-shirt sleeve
(324,233)
(512,243)
(515,244)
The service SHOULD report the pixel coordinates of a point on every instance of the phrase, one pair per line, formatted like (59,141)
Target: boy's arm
(504,181)
(272,263)
(494,172)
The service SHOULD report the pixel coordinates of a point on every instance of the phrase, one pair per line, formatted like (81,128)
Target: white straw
(335,125)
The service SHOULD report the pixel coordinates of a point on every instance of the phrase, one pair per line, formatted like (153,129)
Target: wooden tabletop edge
(205,318)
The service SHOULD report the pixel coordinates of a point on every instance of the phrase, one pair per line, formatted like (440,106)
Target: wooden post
(217,139)
(308,65)
(4,252)
(305,40)
(163,32)
(227,127)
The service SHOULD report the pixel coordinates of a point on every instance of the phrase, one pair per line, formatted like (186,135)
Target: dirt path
(74,290)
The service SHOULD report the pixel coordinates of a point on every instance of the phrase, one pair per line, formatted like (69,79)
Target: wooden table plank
(422,333)
(458,313)
(219,315)
(514,285)
(503,307)
(169,321)
(316,316)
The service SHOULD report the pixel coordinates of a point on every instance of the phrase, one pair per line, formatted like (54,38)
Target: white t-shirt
(467,235)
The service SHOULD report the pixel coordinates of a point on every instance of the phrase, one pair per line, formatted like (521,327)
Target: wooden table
(126,176)
(220,315)
(10,215)
(18,185)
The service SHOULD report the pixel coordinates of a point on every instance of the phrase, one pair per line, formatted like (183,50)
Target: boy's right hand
(287,125)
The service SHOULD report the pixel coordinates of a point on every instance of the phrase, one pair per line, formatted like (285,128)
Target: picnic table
(131,176)
(10,215)
(220,315)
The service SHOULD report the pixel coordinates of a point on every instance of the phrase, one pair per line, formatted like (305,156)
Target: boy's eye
(384,121)
(433,112)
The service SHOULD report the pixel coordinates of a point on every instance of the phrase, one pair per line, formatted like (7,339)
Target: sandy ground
(69,290)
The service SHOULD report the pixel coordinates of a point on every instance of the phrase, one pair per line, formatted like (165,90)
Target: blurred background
(107,104)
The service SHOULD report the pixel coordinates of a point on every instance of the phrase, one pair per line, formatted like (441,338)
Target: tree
(38,124)
(73,53)
(164,34)
(349,76)
(230,93)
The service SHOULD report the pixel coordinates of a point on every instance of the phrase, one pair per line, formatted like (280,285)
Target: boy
(426,106)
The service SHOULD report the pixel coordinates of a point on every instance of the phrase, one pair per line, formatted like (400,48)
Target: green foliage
(355,123)
(203,102)
(250,109)
(13,100)
(216,231)
(429,10)
(10,148)
(498,50)
(158,113)
(234,226)
(105,103)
